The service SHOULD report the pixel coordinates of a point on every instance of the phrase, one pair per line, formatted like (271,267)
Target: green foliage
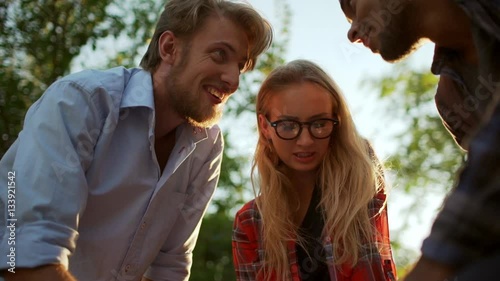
(404,257)
(426,153)
(40,39)
(426,157)
(213,253)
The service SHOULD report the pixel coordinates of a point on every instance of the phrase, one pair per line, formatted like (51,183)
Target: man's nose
(353,34)
(231,77)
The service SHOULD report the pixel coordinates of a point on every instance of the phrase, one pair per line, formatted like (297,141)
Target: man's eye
(219,55)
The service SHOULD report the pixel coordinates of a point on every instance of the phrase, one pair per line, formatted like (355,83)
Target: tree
(40,39)
(426,157)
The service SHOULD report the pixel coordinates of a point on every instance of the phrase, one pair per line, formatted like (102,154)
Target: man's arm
(468,226)
(47,170)
(42,273)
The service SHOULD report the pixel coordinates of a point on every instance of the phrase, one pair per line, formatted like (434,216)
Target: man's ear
(168,46)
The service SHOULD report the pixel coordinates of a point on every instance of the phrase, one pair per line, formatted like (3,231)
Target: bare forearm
(42,273)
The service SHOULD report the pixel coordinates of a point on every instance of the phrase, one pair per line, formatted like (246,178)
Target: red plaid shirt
(248,252)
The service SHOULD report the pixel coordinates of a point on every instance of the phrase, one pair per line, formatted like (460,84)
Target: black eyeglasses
(291,129)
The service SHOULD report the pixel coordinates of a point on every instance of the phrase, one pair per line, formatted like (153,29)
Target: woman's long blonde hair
(348,179)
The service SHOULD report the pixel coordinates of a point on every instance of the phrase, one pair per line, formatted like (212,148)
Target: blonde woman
(320,211)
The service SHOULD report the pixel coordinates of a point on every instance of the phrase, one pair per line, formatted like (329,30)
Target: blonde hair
(347,177)
(184,18)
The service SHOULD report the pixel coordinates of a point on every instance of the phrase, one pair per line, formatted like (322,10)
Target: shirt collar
(139,90)
(196,134)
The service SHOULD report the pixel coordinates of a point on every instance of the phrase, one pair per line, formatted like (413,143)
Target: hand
(429,270)
(47,272)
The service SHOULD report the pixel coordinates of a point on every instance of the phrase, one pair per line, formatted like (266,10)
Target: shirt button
(127,268)
(143,225)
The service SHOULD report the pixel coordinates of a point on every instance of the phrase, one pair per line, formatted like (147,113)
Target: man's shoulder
(94,80)
(484,13)
(101,90)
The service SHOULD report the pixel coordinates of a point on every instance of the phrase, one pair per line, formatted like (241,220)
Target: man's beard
(399,39)
(189,104)
(396,45)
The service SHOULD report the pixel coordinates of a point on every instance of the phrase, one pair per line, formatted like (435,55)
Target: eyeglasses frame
(276,123)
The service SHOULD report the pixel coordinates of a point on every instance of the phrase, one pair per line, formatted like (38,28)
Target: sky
(318,32)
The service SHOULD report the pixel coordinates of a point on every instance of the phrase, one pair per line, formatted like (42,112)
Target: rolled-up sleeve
(174,261)
(49,159)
